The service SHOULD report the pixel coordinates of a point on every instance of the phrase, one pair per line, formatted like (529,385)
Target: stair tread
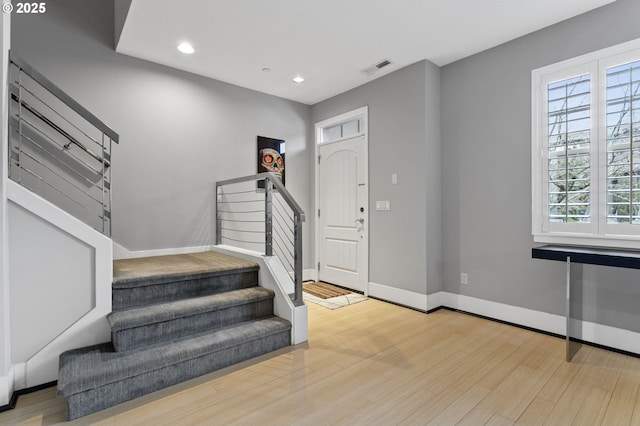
(146,271)
(162,312)
(93,366)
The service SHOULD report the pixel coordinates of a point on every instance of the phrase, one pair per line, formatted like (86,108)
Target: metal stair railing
(57,148)
(258,213)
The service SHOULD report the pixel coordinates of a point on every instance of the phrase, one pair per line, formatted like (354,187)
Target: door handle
(361,220)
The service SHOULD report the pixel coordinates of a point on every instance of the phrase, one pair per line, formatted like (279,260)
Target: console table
(589,256)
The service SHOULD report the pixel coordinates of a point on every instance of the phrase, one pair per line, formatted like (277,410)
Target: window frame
(597,232)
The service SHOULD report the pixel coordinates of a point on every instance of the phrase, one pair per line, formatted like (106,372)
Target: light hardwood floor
(378,364)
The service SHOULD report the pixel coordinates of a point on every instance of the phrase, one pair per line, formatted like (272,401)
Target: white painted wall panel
(52,281)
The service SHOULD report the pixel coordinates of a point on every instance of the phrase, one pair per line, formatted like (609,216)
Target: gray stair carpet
(97,377)
(137,327)
(158,279)
(174,318)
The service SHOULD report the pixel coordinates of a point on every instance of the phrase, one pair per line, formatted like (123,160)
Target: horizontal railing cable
(58,129)
(287,261)
(44,103)
(62,164)
(240,202)
(281,215)
(242,212)
(26,89)
(284,222)
(242,230)
(63,97)
(61,177)
(283,232)
(287,250)
(283,209)
(283,218)
(53,141)
(226,193)
(56,189)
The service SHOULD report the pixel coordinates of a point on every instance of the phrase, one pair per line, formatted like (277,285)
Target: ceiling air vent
(370,70)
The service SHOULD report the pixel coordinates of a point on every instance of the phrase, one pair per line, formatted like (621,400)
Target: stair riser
(125,298)
(127,339)
(92,400)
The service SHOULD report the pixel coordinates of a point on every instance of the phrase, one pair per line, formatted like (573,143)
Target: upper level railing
(57,148)
(258,213)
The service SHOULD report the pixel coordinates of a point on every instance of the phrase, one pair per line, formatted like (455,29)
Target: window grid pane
(623,144)
(568,142)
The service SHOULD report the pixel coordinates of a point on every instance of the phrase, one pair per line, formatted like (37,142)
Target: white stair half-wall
(60,285)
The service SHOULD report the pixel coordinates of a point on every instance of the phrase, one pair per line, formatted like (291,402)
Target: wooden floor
(378,364)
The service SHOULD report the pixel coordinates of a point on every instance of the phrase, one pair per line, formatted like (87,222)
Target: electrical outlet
(464,279)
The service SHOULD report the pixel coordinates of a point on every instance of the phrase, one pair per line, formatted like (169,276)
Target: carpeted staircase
(174,318)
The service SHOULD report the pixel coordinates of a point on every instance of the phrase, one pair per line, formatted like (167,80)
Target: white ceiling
(327,42)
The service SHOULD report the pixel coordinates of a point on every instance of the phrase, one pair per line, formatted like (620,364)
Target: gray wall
(121,10)
(433,171)
(179,132)
(486,140)
(164,174)
(404,126)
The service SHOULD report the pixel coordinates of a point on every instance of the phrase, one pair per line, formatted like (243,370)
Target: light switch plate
(394,179)
(383,205)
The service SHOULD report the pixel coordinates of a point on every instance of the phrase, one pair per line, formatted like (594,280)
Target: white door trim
(362,112)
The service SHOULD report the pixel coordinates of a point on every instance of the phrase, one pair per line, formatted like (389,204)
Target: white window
(345,130)
(586,149)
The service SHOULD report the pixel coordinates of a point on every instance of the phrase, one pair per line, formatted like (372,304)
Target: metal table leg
(568,310)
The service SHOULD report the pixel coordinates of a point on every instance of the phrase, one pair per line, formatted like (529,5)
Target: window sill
(625,242)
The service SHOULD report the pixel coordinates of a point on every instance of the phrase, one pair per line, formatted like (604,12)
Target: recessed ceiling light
(186,48)
(298,79)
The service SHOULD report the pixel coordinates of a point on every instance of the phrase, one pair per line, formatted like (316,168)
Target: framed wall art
(271,158)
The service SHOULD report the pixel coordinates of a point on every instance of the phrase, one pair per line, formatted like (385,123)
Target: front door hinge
(318,266)
(318,159)
(318,212)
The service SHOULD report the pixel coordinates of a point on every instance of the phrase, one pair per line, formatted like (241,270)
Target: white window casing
(583,187)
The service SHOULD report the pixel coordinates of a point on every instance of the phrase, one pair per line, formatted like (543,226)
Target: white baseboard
(612,337)
(20,376)
(500,311)
(600,334)
(396,295)
(121,252)
(6,387)
(435,300)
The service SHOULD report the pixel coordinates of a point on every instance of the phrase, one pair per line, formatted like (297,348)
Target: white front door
(343,222)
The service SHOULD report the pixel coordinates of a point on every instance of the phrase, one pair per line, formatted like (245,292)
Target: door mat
(324,290)
(329,296)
